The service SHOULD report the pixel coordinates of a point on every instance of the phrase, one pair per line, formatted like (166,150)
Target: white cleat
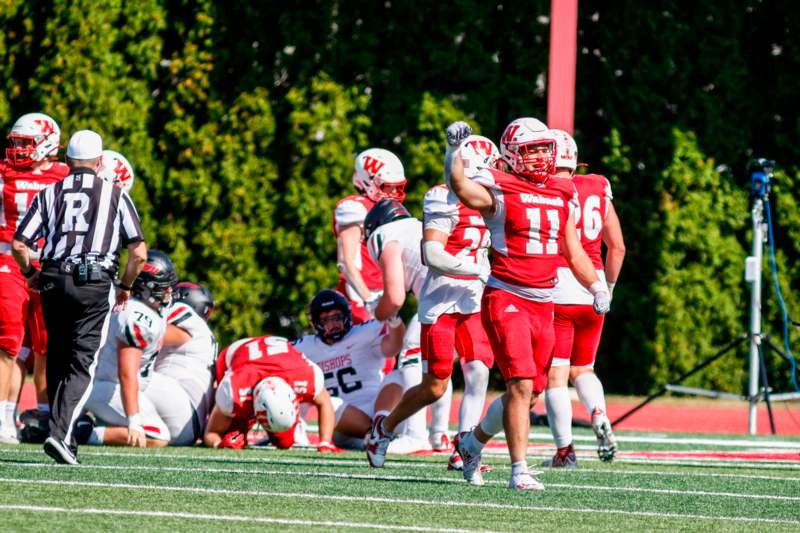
(606,443)
(9,435)
(377,442)
(524,481)
(440,442)
(471,463)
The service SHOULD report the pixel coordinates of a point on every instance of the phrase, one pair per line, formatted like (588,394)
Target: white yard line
(354,499)
(337,475)
(227,518)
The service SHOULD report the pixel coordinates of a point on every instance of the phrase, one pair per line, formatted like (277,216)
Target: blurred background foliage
(242,119)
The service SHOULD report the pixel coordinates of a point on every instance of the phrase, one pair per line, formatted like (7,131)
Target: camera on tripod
(760,175)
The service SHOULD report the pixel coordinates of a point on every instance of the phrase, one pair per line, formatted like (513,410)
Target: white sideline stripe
(447,503)
(433,465)
(336,475)
(225,518)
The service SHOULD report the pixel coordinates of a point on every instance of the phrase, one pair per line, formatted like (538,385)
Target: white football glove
(602,302)
(457,132)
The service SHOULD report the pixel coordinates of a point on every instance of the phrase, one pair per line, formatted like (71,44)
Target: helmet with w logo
(33,138)
(478,152)
(155,281)
(379,174)
(117,170)
(529,148)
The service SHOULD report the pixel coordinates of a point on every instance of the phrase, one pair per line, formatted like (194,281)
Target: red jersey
(594,195)
(527,227)
(352,210)
(246,362)
(17,188)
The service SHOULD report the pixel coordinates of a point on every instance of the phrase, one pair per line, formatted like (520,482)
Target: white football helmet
(376,170)
(478,152)
(117,170)
(275,404)
(33,138)
(529,148)
(566,150)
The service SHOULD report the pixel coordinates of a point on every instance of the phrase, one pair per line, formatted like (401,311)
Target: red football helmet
(529,148)
(32,138)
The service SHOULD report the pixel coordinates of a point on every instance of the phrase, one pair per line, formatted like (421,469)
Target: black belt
(83,268)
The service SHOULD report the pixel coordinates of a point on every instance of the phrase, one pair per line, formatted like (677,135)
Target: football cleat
(606,442)
(563,458)
(455,463)
(9,436)
(441,442)
(377,443)
(471,463)
(524,481)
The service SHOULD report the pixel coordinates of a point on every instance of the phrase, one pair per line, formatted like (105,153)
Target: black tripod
(760,175)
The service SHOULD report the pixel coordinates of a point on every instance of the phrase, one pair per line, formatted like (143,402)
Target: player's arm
(438,259)
(349,247)
(130,358)
(176,336)
(583,268)
(394,284)
(392,342)
(322,401)
(615,244)
(218,425)
(471,193)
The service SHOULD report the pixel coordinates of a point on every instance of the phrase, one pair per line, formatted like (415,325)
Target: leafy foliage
(242,120)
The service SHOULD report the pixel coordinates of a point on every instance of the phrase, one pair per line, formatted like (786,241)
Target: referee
(84,221)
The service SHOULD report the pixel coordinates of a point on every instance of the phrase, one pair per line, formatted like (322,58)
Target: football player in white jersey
(136,334)
(352,358)
(394,238)
(181,385)
(455,248)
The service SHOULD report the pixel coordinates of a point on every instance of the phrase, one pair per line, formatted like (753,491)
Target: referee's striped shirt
(81,216)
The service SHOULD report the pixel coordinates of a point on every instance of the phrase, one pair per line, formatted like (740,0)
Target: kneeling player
(353,358)
(181,386)
(124,415)
(264,379)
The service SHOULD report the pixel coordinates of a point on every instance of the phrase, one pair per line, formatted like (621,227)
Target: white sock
(414,426)
(590,391)
(3,420)
(440,410)
(43,407)
(559,415)
(492,423)
(9,414)
(472,444)
(96,437)
(476,381)
(519,467)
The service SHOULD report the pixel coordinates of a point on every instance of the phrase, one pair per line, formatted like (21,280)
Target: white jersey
(468,239)
(352,366)
(408,233)
(192,363)
(138,326)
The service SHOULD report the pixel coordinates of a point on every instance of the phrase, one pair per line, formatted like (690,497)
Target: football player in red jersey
(528,211)
(378,174)
(577,327)
(264,379)
(28,167)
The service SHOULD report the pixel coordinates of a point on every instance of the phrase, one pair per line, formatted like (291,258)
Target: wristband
(394,322)
(135,421)
(30,272)
(598,286)
(611,287)
(124,287)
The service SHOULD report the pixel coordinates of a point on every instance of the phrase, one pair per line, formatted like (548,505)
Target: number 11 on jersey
(534,245)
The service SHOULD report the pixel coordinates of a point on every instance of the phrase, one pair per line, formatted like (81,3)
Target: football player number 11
(534,246)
